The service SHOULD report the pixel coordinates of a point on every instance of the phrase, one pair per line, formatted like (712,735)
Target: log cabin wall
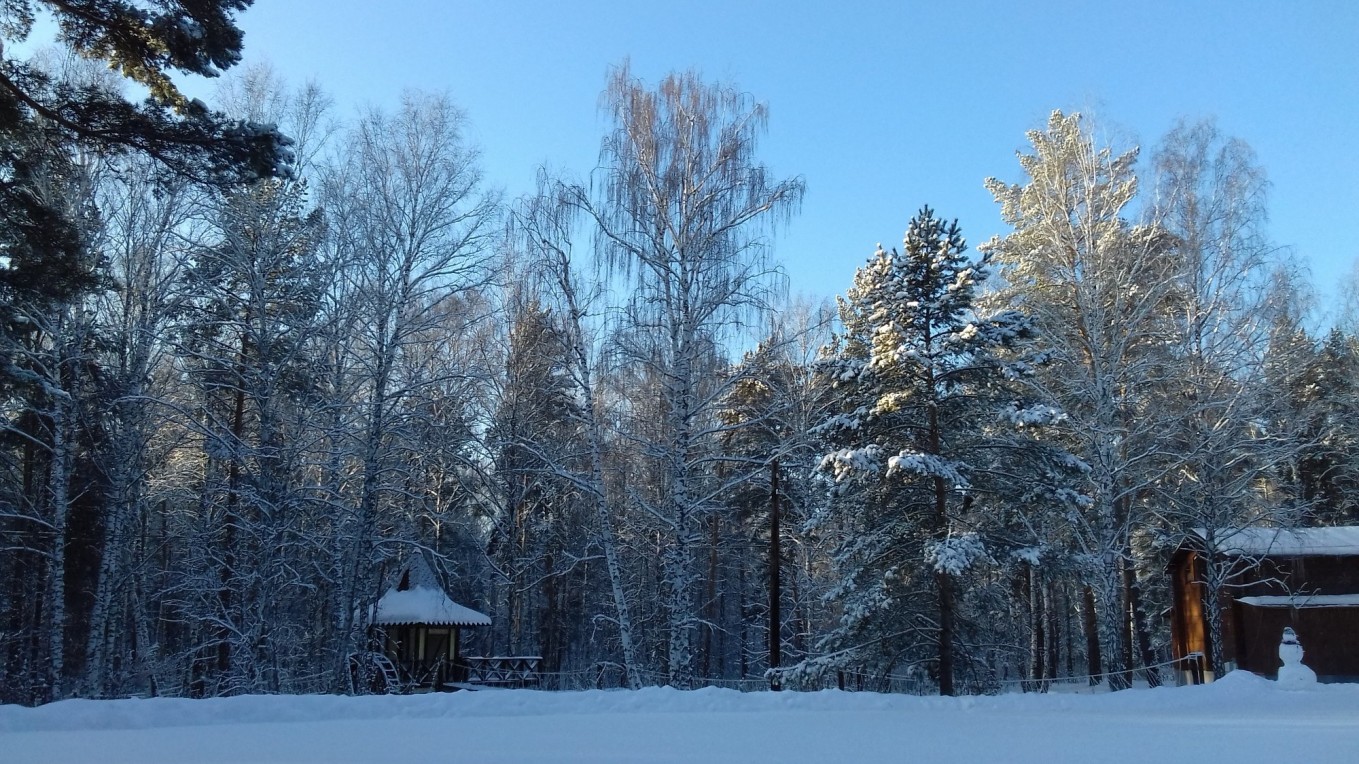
(1188,624)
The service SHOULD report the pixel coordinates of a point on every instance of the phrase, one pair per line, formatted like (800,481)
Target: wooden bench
(503,671)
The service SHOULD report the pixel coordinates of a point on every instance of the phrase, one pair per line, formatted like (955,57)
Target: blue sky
(881,106)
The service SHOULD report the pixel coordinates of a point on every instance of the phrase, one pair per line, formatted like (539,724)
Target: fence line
(1100,677)
(855,680)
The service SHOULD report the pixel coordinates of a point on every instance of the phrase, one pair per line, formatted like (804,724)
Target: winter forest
(259,355)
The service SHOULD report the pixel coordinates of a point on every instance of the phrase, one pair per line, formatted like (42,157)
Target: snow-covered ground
(1239,719)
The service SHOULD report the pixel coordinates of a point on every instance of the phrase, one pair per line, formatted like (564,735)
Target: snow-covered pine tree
(757,556)
(1102,293)
(915,452)
(42,109)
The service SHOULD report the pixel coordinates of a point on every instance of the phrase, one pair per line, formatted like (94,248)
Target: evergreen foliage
(924,454)
(43,118)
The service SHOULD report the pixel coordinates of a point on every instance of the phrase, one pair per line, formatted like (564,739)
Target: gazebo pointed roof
(418,598)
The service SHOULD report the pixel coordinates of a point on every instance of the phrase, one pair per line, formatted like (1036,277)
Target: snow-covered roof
(423,604)
(417,596)
(1303,600)
(1286,542)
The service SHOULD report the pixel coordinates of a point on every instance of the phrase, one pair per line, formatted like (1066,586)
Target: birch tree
(1210,195)
(147,217)
(411,221)
(681,210)
(546,226)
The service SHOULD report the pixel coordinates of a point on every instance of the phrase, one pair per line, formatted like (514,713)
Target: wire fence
(612,676)
(1151,675)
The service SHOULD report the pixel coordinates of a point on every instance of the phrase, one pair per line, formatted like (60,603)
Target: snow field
(1239,719)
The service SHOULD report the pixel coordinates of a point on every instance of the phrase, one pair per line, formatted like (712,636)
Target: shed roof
(423,604)
(1302,600)
(1286,542)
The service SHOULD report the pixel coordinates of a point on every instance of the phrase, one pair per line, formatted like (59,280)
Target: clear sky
(881,106)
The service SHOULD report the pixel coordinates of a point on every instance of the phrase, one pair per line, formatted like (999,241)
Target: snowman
(1293,674)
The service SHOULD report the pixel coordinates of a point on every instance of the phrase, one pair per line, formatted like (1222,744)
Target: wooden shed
(420,629)
(1304,578)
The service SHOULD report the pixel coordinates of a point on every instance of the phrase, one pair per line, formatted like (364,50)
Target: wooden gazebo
(419,628)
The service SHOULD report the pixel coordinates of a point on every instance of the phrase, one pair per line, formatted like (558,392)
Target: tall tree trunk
(549,627)
(514,592)
(775,587)
(678,556)
(233,522)
(710,605)
(678,563)
(604,530)
(355,595)
(1115,639)
(946,630)
(1090,621)
(1050,607)
(943,580)
(19,683)
(1070,631)
(118,582)
(1137,623)
(105,626)
(744,661)
(1213,611)
(799,609)
(609,541)
(59,482)
(1038,636)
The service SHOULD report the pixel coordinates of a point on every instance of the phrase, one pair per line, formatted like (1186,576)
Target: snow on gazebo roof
(418,597)
(422,604)
(1286,542)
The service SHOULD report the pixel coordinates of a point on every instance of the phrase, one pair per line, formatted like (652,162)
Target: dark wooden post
(1093,661)
(775,563)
